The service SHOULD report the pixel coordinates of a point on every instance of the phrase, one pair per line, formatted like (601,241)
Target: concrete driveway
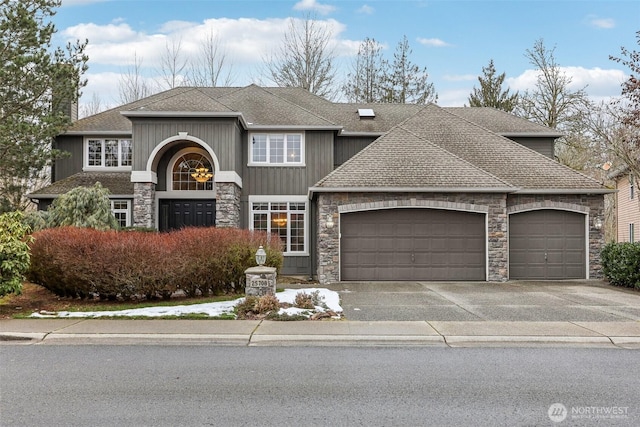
(520,301)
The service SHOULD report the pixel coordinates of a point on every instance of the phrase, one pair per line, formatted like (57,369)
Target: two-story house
(356,192)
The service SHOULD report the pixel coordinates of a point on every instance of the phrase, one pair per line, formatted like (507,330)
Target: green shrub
(621,264)
(83,207)
(83,262)
(14,252)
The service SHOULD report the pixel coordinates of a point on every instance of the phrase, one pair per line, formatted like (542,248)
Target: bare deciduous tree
(94,106)
(627,146)
(212,67)
(551,103)
(172,65)
(132,85)
(305,59)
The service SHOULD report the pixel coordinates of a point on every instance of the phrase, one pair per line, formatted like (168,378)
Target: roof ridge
(456,156)
(514,143)
(297,105)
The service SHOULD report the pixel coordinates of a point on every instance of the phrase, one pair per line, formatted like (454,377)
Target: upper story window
(631,186)
(192,171)
(276,149)
(109,153)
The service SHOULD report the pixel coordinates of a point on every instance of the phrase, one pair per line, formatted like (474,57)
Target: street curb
(337,340)
(462,341)
(128,339)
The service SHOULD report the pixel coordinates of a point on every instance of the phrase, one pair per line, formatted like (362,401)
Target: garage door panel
(414,244)
(547,244)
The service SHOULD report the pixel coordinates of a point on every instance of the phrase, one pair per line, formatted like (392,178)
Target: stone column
(144,204)
(227,205)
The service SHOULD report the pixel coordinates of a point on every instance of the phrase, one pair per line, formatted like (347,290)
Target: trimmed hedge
(84,262)
(621,264)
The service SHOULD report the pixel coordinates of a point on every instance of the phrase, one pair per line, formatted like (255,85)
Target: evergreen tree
(364,83)
(405,82)
(37,84)
(490,93)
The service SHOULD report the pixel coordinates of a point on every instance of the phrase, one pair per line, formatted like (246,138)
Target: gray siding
(541,145)
(220,134)
(290,180)
(347,146)
(71,164)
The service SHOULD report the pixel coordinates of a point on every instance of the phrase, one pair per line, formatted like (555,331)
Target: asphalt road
(264,386)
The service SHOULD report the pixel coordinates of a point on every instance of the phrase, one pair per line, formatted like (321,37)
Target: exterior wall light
(330,223)
(261,256)
(597,223)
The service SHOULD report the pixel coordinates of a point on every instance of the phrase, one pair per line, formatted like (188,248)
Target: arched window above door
(192,171)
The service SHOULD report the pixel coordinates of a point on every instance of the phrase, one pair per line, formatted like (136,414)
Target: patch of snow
(211,309)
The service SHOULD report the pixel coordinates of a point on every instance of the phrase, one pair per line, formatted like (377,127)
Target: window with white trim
(632,232)
(631,186)
(121,210)
(276,149)
(109,153)
(286,219)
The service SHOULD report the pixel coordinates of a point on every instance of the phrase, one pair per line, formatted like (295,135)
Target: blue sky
(453,39)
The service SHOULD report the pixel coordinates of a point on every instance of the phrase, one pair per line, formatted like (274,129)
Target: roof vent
(366,113)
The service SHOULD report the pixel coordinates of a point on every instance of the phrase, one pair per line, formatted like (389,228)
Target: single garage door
(412,244)
(547,244)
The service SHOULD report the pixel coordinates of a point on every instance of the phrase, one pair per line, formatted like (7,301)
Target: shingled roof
(278,106)
(118,184)
(436,148)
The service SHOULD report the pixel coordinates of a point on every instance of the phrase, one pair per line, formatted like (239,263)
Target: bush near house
(621,264)
(14,252)
(84,262)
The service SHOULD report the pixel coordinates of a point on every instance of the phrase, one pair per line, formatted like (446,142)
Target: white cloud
(432,42)
(600,84)
(323,9)
(366,10)
(603,23)
(114,32)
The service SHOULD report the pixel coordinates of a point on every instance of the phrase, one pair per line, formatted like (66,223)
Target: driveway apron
(553,301)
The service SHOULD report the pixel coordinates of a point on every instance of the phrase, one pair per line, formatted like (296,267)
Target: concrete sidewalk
(320,333)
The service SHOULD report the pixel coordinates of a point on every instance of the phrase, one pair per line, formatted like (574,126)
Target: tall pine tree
(37,84)
(490,93)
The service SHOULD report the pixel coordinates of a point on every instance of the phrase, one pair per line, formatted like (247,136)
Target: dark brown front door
(547,244)
(179,213)
(412,244)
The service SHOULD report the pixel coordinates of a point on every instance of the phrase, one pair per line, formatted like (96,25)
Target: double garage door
(412,244)
(432,244)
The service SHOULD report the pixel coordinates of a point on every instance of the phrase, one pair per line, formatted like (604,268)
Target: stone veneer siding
(592,205)
(227,205)
(330,205)
(497,207)
(144,196)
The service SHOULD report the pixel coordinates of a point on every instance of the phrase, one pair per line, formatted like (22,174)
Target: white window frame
(126,211)
(282,200)
(102,165)
(632,232)
(285,161)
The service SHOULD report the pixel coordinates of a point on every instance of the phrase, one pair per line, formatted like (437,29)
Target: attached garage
(413,244)
(547,244)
